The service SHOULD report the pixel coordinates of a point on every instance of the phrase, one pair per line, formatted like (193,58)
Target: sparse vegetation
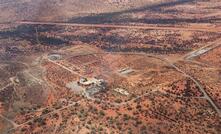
(163,56)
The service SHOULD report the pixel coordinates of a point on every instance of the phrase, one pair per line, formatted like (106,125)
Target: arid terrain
(110,67)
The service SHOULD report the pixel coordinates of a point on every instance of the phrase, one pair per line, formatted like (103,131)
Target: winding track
(205,94)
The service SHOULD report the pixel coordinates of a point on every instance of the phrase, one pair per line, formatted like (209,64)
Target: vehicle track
(3,88)
(45,115)
(14,2)
(9,120)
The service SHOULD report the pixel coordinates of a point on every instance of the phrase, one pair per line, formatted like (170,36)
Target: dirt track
(121,26)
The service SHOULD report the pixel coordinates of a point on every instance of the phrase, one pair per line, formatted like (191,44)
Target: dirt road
(202,50)
(66,68)
(205,94)
(121,26)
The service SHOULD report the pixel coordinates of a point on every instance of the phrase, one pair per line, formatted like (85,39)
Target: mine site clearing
(118,79)
(90,81)
(88,84)
(80,65)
